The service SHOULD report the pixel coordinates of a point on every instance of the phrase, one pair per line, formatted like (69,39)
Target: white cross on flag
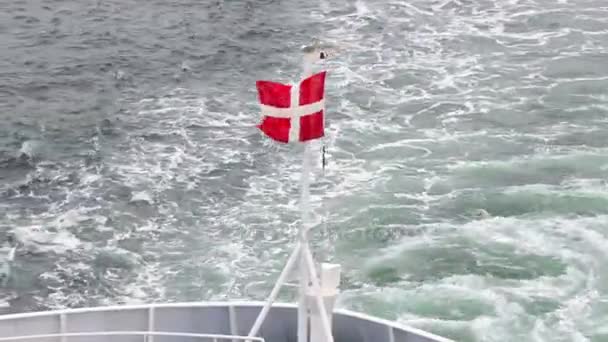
(293,113)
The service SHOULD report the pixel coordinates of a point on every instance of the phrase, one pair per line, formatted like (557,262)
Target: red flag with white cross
(293,113)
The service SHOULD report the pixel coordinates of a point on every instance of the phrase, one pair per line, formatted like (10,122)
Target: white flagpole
(316,287)
(307,270)
(303,309)
(301,252)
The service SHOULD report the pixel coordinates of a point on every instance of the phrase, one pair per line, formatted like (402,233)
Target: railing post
(234,329)
(150,338)
(63,326)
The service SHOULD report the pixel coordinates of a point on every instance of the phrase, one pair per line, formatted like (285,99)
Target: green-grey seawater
(467,148)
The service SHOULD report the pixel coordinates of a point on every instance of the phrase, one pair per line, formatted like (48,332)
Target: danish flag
(293,113)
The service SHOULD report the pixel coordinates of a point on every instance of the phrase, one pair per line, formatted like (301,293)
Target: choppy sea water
(465,190)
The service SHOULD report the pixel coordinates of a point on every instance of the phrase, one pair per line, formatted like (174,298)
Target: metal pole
(303,309)
(316,287)
(295,255)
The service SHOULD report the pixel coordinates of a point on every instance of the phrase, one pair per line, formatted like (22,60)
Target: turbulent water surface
(467,149)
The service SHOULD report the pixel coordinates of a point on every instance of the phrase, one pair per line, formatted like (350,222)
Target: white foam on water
(465,89)
(38,239)
(142,196)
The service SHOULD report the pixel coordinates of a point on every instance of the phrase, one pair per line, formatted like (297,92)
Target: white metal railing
(149,312)
(212,337)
